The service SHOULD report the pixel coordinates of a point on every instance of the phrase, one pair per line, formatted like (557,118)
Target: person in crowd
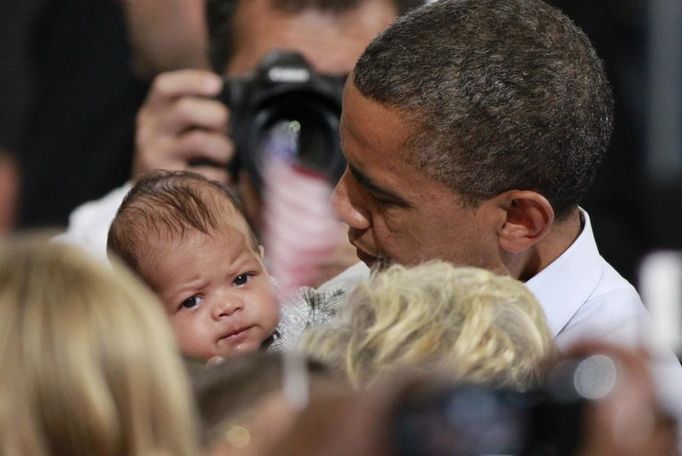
(466,321)
(89,364)
(245,404)
(181,126)
(187,238)
(472,129)
(498,145)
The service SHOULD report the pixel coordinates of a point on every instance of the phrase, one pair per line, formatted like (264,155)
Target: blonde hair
(467,321)
(88,364)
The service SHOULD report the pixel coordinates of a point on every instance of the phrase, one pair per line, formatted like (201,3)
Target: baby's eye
(192,302)
(241,279)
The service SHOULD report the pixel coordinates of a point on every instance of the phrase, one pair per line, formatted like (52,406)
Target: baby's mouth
(236,335)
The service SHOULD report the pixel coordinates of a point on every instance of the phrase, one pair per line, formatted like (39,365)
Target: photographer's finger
(168,86)
(192,112)
(213,173)
(159,153)
(199,147)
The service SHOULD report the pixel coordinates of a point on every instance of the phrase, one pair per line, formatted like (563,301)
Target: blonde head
(467,321)
(88,363)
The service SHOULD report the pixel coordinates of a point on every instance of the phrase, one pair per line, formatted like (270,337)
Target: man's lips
(365,257)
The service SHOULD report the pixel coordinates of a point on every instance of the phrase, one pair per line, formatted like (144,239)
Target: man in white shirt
(472,129)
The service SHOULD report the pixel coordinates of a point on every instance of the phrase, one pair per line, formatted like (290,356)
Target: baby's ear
(261,251)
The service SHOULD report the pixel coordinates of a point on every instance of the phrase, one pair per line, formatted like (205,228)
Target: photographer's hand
(629,420)
(180,127)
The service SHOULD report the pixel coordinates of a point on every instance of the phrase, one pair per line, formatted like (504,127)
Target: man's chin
(375,263)
(365,257)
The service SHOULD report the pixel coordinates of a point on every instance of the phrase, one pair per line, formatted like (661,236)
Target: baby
(188,239)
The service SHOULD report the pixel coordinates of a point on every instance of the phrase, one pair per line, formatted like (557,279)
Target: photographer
(182,126)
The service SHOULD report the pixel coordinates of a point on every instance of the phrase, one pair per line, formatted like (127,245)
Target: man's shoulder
(613,311)
(612,285)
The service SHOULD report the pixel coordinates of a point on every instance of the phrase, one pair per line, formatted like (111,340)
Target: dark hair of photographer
(221,26)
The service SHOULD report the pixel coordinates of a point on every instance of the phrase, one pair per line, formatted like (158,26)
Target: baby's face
(216,292)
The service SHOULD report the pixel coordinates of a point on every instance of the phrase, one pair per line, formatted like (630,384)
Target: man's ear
(529,216)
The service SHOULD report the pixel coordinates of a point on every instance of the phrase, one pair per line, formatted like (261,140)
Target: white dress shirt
(89,223)
(584,297)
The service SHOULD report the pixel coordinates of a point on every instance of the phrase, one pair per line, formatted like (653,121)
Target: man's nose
(226,308)
(348,211)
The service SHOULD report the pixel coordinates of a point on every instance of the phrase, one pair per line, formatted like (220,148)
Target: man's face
(331,43)
(397,212)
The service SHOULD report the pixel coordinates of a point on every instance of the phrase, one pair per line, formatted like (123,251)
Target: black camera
(286,108)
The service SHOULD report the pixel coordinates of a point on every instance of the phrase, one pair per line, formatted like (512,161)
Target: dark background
(67,102)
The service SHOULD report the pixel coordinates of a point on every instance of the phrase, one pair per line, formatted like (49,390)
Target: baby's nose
(227,307)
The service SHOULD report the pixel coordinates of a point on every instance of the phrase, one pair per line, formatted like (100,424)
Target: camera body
(288,109)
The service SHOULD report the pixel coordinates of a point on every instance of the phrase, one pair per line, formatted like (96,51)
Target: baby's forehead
(230,239)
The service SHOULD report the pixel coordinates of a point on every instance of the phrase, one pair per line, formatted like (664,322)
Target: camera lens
(298,125)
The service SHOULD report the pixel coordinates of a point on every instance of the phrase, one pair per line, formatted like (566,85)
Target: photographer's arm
(180,126)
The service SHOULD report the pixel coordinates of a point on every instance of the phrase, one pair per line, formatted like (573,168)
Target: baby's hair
(467,321)
(169,204)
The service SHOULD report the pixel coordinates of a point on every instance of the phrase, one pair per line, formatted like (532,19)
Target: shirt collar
(567,283)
